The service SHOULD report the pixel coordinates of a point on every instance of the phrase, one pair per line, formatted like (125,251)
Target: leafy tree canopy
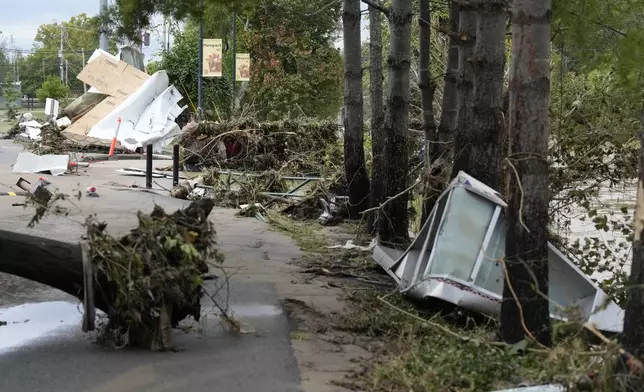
(129,17)
(295,68)
(596,33)
(81,33)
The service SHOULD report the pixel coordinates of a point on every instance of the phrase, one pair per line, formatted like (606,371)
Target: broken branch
(377,6)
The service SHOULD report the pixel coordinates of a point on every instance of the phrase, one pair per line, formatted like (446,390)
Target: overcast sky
(20,20)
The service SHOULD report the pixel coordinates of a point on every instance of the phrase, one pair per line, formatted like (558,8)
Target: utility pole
(103,41)
(167,41)
(200,65)
(60,53)
(67,72)
(165,33)
(84,85)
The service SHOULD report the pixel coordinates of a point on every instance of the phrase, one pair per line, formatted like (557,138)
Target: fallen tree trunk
(53,263)
(146,282)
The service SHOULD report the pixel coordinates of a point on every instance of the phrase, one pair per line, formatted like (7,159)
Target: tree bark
(378,166)
(449,105)
(427,88)
(465,96)
(60,265)
(527,242)
(53,263)
(633,336)
(440,152)
(354,161)
(395,221)
(484,139)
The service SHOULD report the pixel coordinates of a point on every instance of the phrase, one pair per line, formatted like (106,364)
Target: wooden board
(118,79)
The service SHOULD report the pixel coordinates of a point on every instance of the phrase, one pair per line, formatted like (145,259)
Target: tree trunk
(449,110)
(478,142)
(485,137)
(60,265)
(427,88)
(633,336)
(464,126)
(395,221)
(354,161)
(53,263)
(525,294)
(440,151)
(378,166)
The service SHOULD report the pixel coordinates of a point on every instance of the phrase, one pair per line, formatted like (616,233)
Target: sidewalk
(257,258)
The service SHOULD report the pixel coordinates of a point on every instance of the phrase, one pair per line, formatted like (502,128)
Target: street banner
(212,58)
(242,64)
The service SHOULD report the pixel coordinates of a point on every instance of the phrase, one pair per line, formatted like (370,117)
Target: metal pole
(234,59)
(148,167)
(60,54)
(175,165)
(200,65)
(165,33)
(84,85)
(103,41)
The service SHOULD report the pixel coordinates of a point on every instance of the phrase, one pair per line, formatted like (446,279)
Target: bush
(53,88)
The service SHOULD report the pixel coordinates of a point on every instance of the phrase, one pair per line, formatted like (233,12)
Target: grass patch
(426,353)
(307,235)
(299,335)
(423,349)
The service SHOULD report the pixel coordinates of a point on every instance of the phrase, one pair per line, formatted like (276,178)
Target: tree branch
(376,5)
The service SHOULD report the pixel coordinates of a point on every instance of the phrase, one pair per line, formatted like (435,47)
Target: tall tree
(525,294)
(633,337)
(485,135)
(80,33)
(449,104)
(463,132)
(354,162)
(297,70)
(427,88)
(394,221)
(378,164)
(439,150)
(4,59)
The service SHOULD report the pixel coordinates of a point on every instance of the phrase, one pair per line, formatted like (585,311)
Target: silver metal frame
(411,269)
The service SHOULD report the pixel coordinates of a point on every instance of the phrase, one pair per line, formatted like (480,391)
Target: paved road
(43,350)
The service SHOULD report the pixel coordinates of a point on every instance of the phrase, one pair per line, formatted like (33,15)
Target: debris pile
(294,147)
(152,278)
(124,104)
(251,192)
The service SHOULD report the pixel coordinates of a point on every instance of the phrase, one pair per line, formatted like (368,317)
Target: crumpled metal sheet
(537,388)
(32,163)
(457,257)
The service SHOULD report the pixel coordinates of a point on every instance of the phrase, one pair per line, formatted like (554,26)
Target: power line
(41,51)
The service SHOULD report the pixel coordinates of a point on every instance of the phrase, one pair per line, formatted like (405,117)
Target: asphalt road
(42,348)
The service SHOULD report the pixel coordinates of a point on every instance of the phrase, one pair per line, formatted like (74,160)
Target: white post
(84,85)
